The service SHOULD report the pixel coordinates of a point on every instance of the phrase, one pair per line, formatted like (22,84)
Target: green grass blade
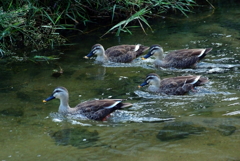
(114,7)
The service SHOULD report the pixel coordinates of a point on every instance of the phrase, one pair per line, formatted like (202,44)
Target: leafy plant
(153,8)
(122,26)
(36,24)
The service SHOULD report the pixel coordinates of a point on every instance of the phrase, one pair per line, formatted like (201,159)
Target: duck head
(154,49)
(151,79)
(97,49)
(59,92)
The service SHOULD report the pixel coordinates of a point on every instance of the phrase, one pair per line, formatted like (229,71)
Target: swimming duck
(173,86)
(94,109)
(118,54)
(184,58)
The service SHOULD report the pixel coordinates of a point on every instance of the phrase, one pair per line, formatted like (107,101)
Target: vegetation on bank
(37,24)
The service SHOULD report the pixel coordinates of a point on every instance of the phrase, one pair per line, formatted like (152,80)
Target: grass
(122,26)
(22,29)
(36,24)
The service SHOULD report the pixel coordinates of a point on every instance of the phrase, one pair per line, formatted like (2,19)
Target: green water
(209,119)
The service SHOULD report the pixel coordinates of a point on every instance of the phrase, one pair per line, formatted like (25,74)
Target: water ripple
(232,113)
(200,92)
(133,116)
(135,63)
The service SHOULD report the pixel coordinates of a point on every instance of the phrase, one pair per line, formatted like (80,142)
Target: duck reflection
(78,137)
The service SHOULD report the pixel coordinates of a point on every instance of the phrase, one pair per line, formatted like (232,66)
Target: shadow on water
(178,130)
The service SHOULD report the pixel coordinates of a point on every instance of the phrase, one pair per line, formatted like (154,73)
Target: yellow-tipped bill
(86,57)
(44,101)
(143,58)
(139,86)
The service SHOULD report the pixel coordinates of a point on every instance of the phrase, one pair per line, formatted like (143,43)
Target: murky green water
(205,124)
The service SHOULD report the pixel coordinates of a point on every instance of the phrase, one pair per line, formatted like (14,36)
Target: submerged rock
(24,96)
(12,112)
(178,130)
(77,137)
(226,130)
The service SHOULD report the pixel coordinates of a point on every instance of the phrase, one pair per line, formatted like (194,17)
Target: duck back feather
(125,53)
(185,58)
(100,109)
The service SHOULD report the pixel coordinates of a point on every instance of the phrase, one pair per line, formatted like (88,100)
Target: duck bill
(49,98)
(143,84)
(147,56)
(89,55)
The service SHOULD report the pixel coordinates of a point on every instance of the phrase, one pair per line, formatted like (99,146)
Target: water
(206,123)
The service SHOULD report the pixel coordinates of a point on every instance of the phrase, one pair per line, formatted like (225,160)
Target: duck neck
(64,107)
(102,57)
(160,55)
(159,59)
(154,86)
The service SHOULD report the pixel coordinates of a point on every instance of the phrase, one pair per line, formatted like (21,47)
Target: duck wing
(191,79)
(100,109)
(185,57)
(182,84)
(125,53)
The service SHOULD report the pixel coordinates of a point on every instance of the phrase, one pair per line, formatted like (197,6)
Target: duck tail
(200,81)
(204,53)
(124,105)
(140,49)
(196,80)
(208,50)
(203,80)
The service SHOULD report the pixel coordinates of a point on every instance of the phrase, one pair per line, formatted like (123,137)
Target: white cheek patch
(153,51)
(149,79)
(56,93)
(95,49)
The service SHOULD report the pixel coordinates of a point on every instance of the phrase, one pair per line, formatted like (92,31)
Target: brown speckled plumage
(173,86)
(95,110)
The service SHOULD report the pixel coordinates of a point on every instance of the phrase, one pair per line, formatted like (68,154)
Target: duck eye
(57,91)
(96,48)
(150,77)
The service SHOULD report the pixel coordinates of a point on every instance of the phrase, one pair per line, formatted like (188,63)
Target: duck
(174,85)
(183,58)
(117,54)
(94,109)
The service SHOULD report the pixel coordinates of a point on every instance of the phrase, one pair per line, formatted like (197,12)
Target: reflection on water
(78,137)
(178,130)
(207,121)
